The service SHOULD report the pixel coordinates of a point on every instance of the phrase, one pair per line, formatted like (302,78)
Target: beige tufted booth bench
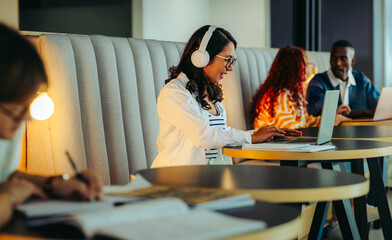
(105,91)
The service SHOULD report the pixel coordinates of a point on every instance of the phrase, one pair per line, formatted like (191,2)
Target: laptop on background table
(326,125)
(383,110)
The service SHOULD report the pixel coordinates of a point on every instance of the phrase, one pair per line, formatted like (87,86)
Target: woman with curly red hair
(280,99)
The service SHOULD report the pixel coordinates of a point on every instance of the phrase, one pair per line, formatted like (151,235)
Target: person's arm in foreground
(13,192)
(72,188)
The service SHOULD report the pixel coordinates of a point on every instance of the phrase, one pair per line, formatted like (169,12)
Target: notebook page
(192,225)
(42,208)
(90,222)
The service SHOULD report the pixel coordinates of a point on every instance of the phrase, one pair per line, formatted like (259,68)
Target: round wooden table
(284,225)
(268,183)
(275,184)
(346,150)
(369,132)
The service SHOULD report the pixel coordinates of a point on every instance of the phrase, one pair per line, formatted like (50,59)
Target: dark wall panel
(281,23)
(351,20)
(340,19)
(104,17)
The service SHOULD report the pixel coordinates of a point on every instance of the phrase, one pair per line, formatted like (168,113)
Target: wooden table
(284,225)
(270,183)
(367,123)
(346,150)
(369,132)
(267,183)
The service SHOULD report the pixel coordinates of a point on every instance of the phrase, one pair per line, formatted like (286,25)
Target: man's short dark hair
(342,43)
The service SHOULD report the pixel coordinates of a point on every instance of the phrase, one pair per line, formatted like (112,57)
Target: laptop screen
(328,116)
(383,109)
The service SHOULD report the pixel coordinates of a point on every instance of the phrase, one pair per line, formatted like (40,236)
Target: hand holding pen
(90,189)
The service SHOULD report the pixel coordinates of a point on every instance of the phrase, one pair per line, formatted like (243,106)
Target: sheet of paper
(138,183)
(192,225)
(117,199)
(54,207)
(313,148)
(273,146)
(243,200)
(90,222)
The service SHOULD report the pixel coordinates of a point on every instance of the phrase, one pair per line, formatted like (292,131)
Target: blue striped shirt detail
(215,121)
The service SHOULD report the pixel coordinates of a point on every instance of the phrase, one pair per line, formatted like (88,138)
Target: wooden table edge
(367,139)
(366,123)
(301,195)
(305,156)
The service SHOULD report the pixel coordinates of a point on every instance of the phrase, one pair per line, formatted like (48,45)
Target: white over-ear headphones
(200,58)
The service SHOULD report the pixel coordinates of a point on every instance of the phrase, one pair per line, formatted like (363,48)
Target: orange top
(287,114)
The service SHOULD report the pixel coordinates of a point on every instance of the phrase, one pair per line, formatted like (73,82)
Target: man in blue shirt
(356,90)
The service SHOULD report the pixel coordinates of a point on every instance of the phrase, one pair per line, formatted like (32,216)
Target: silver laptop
(383,110)
(327,121)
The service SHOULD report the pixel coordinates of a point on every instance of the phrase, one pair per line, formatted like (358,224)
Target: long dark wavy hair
(21,68)
(198,83)
(288,71)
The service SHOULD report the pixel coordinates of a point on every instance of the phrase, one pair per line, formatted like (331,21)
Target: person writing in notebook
(356,90)
(280,99)
(22,73)
(192,119)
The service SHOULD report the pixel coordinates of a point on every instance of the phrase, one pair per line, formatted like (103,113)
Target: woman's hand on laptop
(292,132)
(267,133)
(344,110)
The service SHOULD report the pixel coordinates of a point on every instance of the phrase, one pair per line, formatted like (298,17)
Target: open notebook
(165,218)
(138,190)
(383,110)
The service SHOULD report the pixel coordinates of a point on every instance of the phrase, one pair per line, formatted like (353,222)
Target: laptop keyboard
(302,140)
(295,140)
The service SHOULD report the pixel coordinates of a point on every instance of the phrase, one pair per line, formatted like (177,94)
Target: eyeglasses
(230,61)
(14,117)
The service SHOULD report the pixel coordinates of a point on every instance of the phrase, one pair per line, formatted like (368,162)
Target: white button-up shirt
(184,129)
(343,85)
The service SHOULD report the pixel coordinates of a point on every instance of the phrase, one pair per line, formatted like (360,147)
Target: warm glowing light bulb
(42,107)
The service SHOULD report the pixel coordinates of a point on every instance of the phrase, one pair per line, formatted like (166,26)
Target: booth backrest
(105,90)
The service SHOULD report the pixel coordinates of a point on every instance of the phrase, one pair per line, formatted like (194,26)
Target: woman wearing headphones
(22,73)
(192,120)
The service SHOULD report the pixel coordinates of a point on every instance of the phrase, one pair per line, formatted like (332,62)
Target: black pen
(79,175)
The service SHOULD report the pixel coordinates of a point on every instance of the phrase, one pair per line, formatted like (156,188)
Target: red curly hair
(288,71)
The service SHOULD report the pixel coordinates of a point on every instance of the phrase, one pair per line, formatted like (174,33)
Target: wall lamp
(42,107)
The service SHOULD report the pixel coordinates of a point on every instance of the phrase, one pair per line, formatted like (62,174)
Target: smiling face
(216,68)
(342,59)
